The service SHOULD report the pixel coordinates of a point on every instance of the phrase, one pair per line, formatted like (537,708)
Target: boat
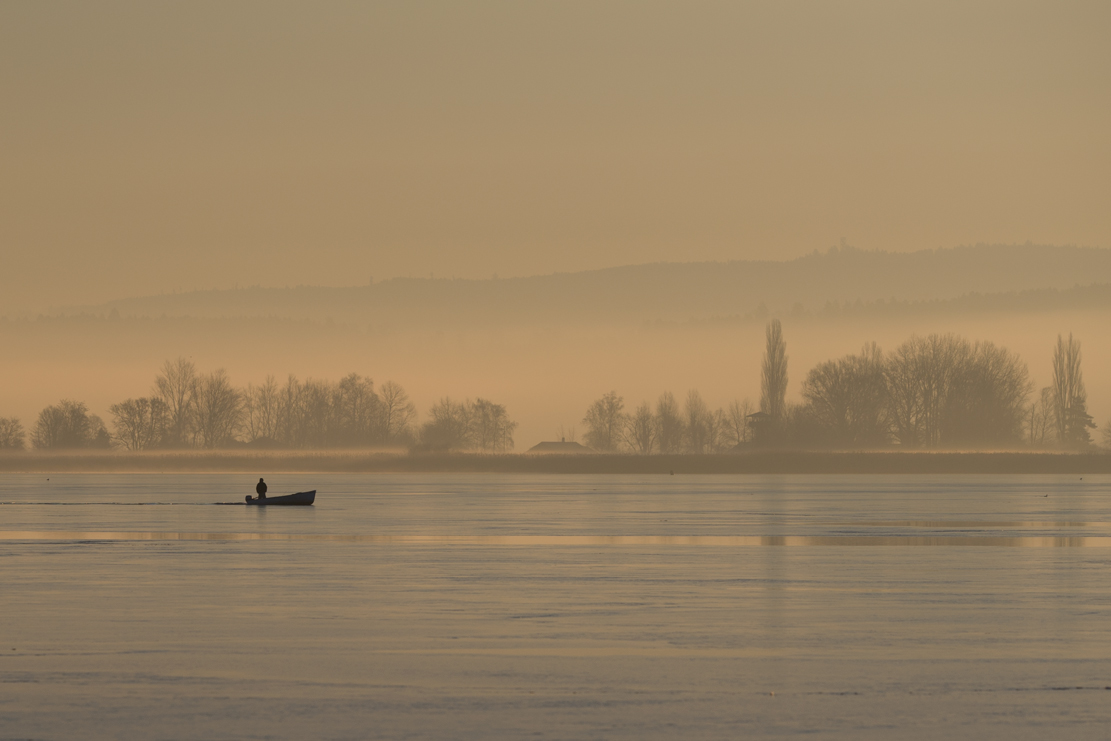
(302,498)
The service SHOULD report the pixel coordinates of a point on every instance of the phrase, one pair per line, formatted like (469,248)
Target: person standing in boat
(260,488)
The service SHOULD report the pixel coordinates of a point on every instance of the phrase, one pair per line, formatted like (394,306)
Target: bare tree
(396,413)
(605,423)
(98,436)
(773,379)
(847,399)
(318,414)
(291,429)
(449,426)
(1070,399)
(717,439)
(140,424)
(492,430)
(669,425)
(64,425)
(1040,418)
(503,431)
(942,390)
(260,410)
(919,376)
(11,434)
(357,409)
(311,413)
(218,410)
(699,424)
(640,430)
(986,404)
(736,426)
(176,386)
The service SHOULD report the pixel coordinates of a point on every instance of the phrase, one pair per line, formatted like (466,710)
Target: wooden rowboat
(303,498)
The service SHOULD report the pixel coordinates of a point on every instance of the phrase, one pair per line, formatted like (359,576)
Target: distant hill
(672,291)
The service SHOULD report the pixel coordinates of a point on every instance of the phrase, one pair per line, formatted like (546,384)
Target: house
(561,446)
(761,424)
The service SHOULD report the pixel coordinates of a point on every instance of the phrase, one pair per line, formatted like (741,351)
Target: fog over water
(572,606)
(546,374)
(547,346)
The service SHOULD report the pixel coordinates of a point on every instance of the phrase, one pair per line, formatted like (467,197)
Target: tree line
(933,392)
(667,427)
(939,391)
(66,424)
(187,409)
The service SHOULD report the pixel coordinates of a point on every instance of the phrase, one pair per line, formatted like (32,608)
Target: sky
(154,147)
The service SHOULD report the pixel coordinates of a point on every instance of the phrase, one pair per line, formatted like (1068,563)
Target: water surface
(496,606)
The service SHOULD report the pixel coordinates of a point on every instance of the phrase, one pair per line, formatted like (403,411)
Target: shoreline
(760,462)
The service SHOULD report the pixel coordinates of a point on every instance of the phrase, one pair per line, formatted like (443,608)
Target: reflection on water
(578,540)
(487,607)
(979,524)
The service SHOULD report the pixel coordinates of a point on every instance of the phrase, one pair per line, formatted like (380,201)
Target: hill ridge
(666,291)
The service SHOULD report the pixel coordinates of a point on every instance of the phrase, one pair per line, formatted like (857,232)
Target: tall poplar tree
(773,381)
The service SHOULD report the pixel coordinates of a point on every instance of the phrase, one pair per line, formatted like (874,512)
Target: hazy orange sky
(153,146)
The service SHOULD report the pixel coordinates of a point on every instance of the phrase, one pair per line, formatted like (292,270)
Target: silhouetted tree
(1040,418)
(736,428)
(491,428)
(605,422)
(140,424)
(773,378)
(986,405)
(320,414)
(218,410)
(449,427)
(919,374)
(669,425)
(847,399)
(640,430)
(699,424)
(176,386)
(98,433)
(11,434)
(396,414)
(717,428)
(1070,399)
(357,412)
(260,411)
(942,390)
(481,425)
(68,424)
(292,428)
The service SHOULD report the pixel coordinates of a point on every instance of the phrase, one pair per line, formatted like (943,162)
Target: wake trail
(114,504)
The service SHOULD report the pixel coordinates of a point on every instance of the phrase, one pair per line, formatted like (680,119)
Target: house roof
(559,447)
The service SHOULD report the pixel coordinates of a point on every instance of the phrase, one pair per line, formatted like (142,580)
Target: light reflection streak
(1000,541)
(977,524)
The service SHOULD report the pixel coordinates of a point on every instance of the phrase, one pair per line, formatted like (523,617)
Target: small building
(560,447)
(761,425)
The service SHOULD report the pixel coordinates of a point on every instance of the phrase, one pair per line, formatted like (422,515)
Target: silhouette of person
(260,488)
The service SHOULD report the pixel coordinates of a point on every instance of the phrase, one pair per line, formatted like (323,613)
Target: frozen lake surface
(497,606)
